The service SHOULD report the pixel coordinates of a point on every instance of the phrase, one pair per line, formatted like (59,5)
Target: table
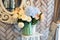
(35,36)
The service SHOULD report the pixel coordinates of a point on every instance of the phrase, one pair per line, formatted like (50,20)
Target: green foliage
(34,21)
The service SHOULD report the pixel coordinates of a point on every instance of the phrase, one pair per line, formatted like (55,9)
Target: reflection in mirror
(10,5)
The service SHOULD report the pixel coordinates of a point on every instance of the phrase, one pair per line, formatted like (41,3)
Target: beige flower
(20,24)
(42,16)
(29,19)
(15,16)
(24,17)
(37,16)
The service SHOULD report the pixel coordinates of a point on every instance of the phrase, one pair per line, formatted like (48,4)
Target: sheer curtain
(58,32)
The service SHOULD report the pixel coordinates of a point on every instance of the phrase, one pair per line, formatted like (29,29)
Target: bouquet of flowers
(34,13)
(26,18)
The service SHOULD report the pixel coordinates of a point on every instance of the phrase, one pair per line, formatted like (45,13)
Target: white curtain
(58,32)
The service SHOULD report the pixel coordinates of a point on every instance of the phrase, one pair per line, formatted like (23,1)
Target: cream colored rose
(29,19)
(15,16)
(20,24)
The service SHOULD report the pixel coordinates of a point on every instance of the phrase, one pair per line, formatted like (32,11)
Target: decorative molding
(6,16)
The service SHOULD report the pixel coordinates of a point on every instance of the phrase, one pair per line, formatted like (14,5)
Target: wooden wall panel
(56,10)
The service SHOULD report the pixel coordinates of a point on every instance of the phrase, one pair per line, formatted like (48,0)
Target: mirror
(10,5)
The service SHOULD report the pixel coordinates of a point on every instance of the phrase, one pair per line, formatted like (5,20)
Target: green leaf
(34,21)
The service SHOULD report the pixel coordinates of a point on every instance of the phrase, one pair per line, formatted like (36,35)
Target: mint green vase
(27,30)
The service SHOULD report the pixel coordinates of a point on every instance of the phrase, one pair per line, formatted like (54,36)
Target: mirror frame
(6,16)
(7,10)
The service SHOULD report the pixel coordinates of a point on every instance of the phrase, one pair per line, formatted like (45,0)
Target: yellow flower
(19,16)
(15,11)
(29,19)
(21,12)
(15,16)
(20,24)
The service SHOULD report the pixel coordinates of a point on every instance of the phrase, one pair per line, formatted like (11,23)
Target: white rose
(20,24)
(29,19)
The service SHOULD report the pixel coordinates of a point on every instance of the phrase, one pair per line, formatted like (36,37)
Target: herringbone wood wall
(46,7)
